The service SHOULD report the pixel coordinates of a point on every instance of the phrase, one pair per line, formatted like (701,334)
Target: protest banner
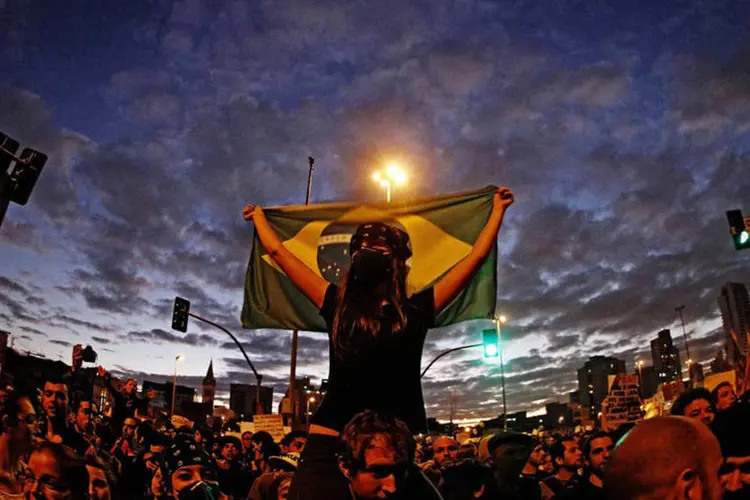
(272,424)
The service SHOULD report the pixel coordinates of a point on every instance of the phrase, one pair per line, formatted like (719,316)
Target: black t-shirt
(583,490)
(386,377)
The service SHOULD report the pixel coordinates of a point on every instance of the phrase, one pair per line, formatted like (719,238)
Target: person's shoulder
(422,304)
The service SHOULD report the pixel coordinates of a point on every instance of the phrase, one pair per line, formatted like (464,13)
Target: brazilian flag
(442,231)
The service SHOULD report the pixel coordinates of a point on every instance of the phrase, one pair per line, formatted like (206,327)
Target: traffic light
(738,229)
(490,343)
(8,148)
(180,314)
(25,174)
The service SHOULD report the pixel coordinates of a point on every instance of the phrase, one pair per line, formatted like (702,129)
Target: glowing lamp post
(393,175)
(310,399)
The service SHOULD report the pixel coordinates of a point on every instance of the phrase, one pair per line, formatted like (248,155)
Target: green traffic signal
(490,343)
(738,229)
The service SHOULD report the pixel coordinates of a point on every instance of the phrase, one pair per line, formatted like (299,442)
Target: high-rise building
(649,381)
(720,363)
(163,398)
(666,357)
(696,372)
(574,397)
(209,386)
(558,415)
(242,399)
(734,303)
(308,399)
(593,382)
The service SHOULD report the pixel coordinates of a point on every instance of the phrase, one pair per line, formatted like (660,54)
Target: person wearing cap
(376,334)
(508,454)
(191,472)
(282,464)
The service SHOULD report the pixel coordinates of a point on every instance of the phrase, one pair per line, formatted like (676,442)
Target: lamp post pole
(684,336)
(498,320)
(295,333)
(174,382)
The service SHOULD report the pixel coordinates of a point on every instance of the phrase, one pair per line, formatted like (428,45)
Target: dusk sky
(622,127)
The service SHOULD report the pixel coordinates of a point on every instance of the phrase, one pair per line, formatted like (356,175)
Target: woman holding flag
(376,336)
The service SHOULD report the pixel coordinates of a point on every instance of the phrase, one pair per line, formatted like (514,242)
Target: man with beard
(597,451)
(509,452)
(568,459)
(445,451)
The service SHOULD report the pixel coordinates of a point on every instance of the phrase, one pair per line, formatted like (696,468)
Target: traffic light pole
(448,352)
(258,377)
(4,195)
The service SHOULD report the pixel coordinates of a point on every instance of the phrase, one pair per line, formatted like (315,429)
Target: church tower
(209,385)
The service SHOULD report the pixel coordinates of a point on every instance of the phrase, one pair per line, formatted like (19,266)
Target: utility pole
(295,333)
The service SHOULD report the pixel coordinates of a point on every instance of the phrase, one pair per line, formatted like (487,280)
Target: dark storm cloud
(22,234)
(12,286)
(74,324)
(61,343)
(159,336)
(280,341)
(16,308)
(33,331)
(101,340)
(223,383)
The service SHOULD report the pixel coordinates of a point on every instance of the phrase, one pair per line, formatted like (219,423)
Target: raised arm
(309,283)
(458,277)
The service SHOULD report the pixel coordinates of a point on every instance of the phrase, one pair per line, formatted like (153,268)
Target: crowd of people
(54,444)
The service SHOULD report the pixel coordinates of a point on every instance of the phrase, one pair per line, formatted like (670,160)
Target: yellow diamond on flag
(434,250)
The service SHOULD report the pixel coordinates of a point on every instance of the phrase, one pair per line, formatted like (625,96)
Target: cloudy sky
(624,133)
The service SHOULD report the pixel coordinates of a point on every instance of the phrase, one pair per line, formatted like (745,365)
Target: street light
(310,399)
(502,319)
(392,175)
(177,358)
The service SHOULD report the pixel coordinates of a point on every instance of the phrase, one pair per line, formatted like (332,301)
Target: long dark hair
(362,316)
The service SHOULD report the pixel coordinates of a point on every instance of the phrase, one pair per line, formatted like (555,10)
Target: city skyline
(623,132)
